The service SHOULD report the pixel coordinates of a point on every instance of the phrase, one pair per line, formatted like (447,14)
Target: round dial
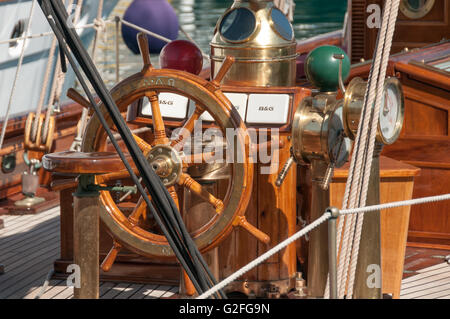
(391,111)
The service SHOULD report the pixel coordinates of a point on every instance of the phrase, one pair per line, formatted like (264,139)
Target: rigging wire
(310,227)
(19,67)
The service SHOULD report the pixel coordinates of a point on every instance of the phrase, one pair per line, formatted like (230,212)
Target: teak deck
(29,245)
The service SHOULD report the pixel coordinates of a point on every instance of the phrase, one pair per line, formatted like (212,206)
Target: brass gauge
(391,112)
(318,131)
(318,135)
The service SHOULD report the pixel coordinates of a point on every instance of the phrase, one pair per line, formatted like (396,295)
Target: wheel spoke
(143,145)
(158,122)
(145,53)
(187,128)
(196,188)
(105,178)
(174,195)
(139,210)
(111,257)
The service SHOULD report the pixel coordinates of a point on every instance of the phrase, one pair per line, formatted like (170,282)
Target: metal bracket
(88,188)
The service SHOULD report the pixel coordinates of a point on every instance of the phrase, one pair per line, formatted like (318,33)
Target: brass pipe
(370,245)
(318,252)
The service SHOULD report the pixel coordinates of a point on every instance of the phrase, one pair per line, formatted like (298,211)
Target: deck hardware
(30,183)
(9,163)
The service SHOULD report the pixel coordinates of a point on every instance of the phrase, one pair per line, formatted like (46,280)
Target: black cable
(172,217)
(191,245)
(116,146)
(190,274)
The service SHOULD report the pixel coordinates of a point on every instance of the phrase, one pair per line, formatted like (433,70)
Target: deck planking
(30,243)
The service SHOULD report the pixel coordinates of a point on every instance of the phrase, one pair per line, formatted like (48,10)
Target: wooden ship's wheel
(171,164)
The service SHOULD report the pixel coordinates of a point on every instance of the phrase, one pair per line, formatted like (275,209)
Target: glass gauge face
(339,145)
(389,113)
(238,25)
(281,24)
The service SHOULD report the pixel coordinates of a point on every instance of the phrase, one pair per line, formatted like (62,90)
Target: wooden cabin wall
(409,33)
(425,143)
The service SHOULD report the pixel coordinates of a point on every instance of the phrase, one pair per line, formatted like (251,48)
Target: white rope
(48,70)
(51,57)
(205,56)
(59,78)
(312,226)
(357,184)
(100,26)
(411,202)
(380,88)
(19,66)
(50,33)
(265,256)
(150,33)
(160,37)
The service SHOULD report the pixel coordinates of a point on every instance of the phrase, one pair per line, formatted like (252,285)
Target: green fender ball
(322,69)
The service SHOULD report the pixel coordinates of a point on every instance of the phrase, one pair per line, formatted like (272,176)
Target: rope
(45,285)
(150,33)
(312,226)
(385,58)
(411,202)
(59,78)
(48,70)
(349,229)
(19,66)
(38,111)
(265,256)
(99,26)
(205,56)
(46,34)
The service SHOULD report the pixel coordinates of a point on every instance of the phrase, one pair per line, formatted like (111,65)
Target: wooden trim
(427,245)
(428,164)
(423,74)
(388,168)
(423,234)
(431,99)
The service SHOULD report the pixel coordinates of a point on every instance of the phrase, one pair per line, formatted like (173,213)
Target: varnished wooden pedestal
(128,266)
(85,248)
(396,184)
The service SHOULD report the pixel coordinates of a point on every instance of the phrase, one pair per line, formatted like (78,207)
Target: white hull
(30,78)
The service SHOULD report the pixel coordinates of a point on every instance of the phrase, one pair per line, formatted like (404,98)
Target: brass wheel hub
(166,163)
